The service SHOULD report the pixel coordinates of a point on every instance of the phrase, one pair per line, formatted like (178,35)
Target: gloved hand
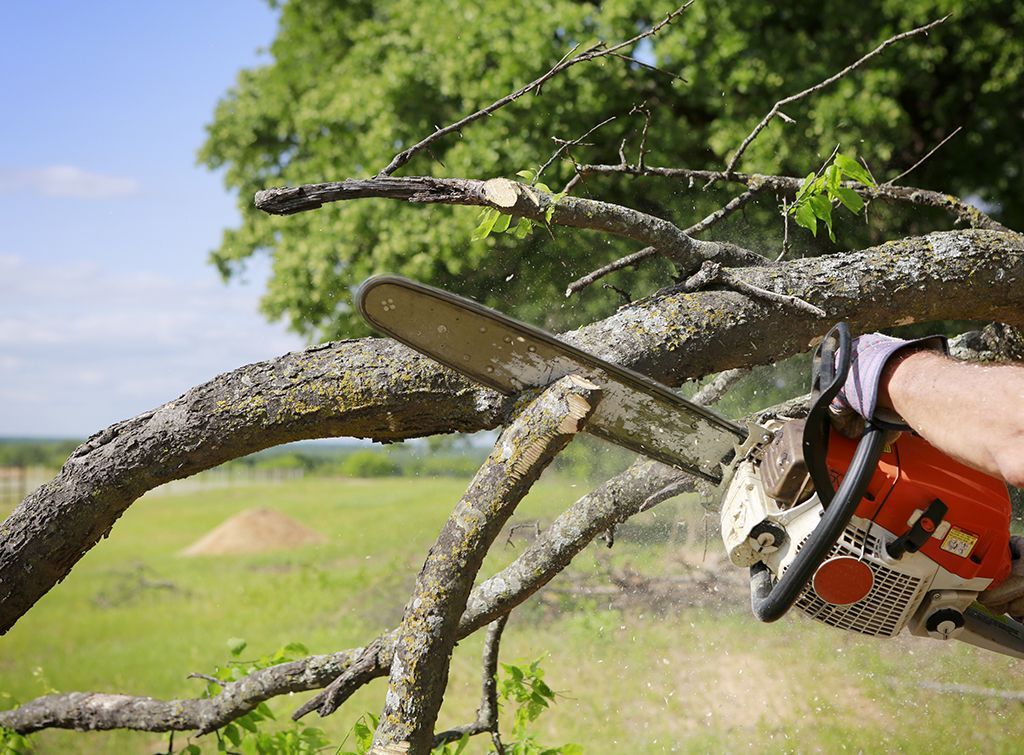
(1008,596)
(858,399)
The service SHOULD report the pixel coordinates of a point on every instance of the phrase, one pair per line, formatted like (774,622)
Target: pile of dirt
(254,531)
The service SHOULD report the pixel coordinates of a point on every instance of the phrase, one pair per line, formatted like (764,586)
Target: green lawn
(644,676)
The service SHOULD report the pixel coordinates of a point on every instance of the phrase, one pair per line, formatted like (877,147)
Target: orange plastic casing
(910,475)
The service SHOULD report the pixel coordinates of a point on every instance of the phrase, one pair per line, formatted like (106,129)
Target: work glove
(858,398)
(1008,596)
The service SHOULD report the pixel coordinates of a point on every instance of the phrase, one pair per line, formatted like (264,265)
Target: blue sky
(107,303)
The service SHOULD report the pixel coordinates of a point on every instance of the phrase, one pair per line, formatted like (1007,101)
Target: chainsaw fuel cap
(843,580)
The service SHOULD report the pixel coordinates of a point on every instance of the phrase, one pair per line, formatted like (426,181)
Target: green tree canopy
(351,82)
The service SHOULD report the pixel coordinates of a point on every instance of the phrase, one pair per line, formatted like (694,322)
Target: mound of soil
(254,531)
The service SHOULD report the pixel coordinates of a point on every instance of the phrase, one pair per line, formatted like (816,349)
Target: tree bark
(426,637)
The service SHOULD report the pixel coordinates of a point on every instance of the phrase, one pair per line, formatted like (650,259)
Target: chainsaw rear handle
(831,365)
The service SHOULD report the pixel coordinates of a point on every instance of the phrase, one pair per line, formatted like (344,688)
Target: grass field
(642,675)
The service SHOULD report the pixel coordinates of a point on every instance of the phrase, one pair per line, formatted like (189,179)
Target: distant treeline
(16,452)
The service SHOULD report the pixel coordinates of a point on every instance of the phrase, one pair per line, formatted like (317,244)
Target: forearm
(972,412)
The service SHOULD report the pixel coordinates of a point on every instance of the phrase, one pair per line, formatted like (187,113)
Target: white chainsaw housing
(906,591)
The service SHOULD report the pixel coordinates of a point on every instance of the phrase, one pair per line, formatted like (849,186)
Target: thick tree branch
(776,108)
(374,388)
(419,670)
(518,200)
(789,185)
(371,389)
(595,51)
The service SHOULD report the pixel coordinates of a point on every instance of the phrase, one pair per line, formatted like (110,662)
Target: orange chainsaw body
(973,538)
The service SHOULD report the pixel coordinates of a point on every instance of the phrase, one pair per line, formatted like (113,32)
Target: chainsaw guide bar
(510,356)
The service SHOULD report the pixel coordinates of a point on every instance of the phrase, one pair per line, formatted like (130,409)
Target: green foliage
(524,688)
(350,82)
(820,191)
(369,464)
(247,734)
(12,743)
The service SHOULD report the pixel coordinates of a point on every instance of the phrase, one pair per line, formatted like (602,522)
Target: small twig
(534,525)
(626,298)
(594,51)
(643,109)
(794,302)
(819,86)
(611,267)
(728,209)
(711,272)
(487,713)
(785,231)
(931,152)
(565,145)
(723,381)
(649,67)
(206,677)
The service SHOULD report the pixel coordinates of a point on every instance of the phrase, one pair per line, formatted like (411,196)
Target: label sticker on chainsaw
(959,542)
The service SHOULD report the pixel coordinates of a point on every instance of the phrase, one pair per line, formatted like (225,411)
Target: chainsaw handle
(828,374)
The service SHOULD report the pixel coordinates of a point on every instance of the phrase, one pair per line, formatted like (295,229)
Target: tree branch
(595,51)
(789,185)
(378,389)
(776,108)
(419,669)
(631,259)
(518,200)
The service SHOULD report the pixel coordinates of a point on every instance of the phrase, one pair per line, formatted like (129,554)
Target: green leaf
(232,734)
(543,187)
(806,187)
(822,209)
(805,217)
(523,229)
(295,648)
(833,177)
(501,224)
(490,217)
(246,723)
(526,175)
(851,200)
(236,645)
(854,170)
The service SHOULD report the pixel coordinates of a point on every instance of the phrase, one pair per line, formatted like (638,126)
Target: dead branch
(518,200)
(776,108)
(591,53)
(487,713)
(930,152)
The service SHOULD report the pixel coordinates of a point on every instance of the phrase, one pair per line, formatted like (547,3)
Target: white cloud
(66,181)
(82,347)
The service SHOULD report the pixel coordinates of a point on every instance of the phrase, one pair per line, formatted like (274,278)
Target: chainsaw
(870,536)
